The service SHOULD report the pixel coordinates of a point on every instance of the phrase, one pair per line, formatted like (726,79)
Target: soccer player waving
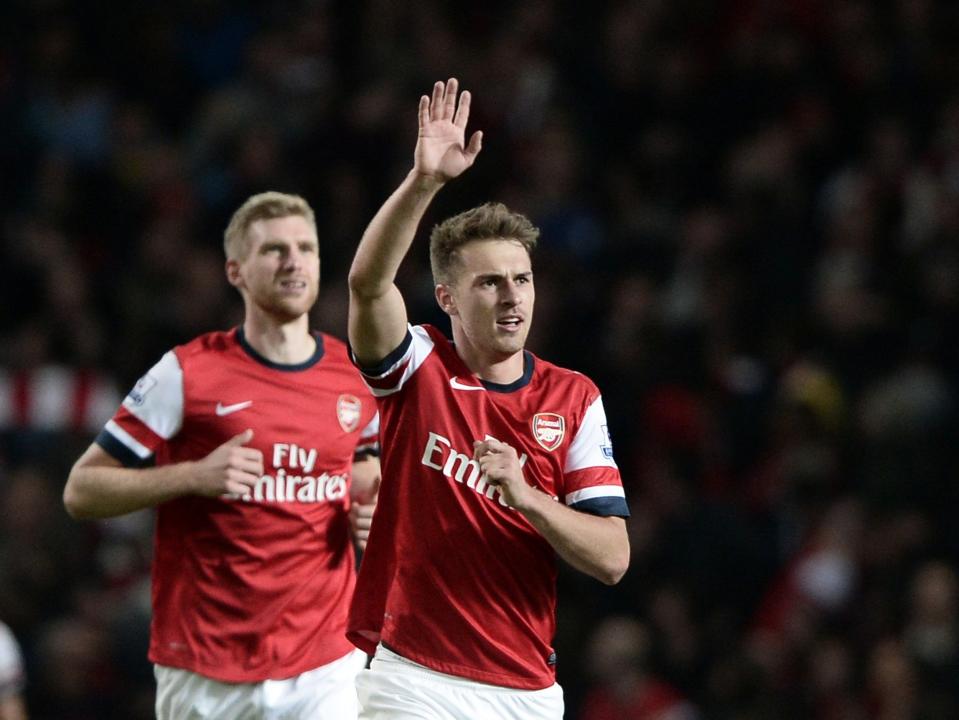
(253,434)
(498,461)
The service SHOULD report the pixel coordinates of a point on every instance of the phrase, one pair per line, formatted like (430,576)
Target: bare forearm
(377,321)
(389,235)
(101,492)
(597,546)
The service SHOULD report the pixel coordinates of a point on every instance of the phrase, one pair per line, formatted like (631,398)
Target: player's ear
(445,299)
(233,273)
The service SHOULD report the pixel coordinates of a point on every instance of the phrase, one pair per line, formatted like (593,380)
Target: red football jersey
(251,588)
(452,578)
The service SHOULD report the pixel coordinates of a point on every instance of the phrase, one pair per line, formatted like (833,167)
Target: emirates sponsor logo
(295,479)
(439,454)
(549,429)
(348,411)
(284,487)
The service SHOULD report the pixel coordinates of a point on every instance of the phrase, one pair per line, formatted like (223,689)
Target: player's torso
(442,411)
(305,423)
(252,587)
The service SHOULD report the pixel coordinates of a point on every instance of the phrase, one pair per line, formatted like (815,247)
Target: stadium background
(749,214)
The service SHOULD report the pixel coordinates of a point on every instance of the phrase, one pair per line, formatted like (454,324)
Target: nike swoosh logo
(222,409)
(457,385)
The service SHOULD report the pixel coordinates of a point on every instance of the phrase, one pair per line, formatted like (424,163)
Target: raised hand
(441,150)
(231,469)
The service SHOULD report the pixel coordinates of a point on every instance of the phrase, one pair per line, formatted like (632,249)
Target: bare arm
(99,486)
(597,546)
(378,319)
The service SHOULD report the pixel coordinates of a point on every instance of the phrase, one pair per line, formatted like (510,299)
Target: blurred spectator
(931,634)
(623,685)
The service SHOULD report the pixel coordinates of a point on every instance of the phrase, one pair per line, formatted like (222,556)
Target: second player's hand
(441,150)
(361,519)
(232,469)
(501,468)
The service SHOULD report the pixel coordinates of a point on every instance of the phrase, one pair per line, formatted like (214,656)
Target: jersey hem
(217,672)
(539,682)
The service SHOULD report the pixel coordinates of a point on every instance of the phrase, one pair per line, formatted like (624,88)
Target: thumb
(475,145)
(480,447)
(242,439)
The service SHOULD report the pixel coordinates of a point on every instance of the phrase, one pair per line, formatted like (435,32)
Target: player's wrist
(425,182)
(190,483)
(530,502)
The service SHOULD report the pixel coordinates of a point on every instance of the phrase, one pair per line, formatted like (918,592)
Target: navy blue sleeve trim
(389,361)
(121,452)
(603,506)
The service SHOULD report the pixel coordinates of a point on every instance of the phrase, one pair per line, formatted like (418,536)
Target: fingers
(443,105)
(238,488)
(449,98)
(463,111)
(424,111)
(249,461)
(242,439)
(362,515)
(239,482)
(436,103)
(497,446)
(480,448)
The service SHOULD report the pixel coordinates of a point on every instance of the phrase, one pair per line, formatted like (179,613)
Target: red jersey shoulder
(336,350)
(559,381)
(212,343)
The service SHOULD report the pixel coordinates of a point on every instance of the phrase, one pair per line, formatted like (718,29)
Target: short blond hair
(264,206)
(490,221)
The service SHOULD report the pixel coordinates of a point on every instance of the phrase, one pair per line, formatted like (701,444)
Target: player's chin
(510,344)
(289,309)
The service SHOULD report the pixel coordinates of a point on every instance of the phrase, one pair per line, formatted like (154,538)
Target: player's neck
(287,343)
(495,369)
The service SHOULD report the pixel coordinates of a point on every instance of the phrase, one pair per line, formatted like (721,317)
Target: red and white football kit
(251,588)
(452,578)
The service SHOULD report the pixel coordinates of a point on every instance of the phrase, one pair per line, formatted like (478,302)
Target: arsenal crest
(549,429)
(348,409)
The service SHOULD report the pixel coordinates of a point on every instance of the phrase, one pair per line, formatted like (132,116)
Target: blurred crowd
(750,218)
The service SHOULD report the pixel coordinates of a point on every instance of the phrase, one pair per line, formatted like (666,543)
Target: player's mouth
(293,285)
(510,323)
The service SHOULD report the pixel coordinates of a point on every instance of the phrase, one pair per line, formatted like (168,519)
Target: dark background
(749,215)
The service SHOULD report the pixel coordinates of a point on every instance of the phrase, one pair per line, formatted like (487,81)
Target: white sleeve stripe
(595,492)
(420,348)
(391,369)
(141,450)
(591,446)
(157,398)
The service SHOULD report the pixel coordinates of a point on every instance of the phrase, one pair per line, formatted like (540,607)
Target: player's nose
(511,295)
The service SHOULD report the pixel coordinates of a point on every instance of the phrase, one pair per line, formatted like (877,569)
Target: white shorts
(395,688)
(326,693)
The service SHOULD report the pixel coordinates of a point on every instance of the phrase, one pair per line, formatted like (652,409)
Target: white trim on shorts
(395,688)
(325,693)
